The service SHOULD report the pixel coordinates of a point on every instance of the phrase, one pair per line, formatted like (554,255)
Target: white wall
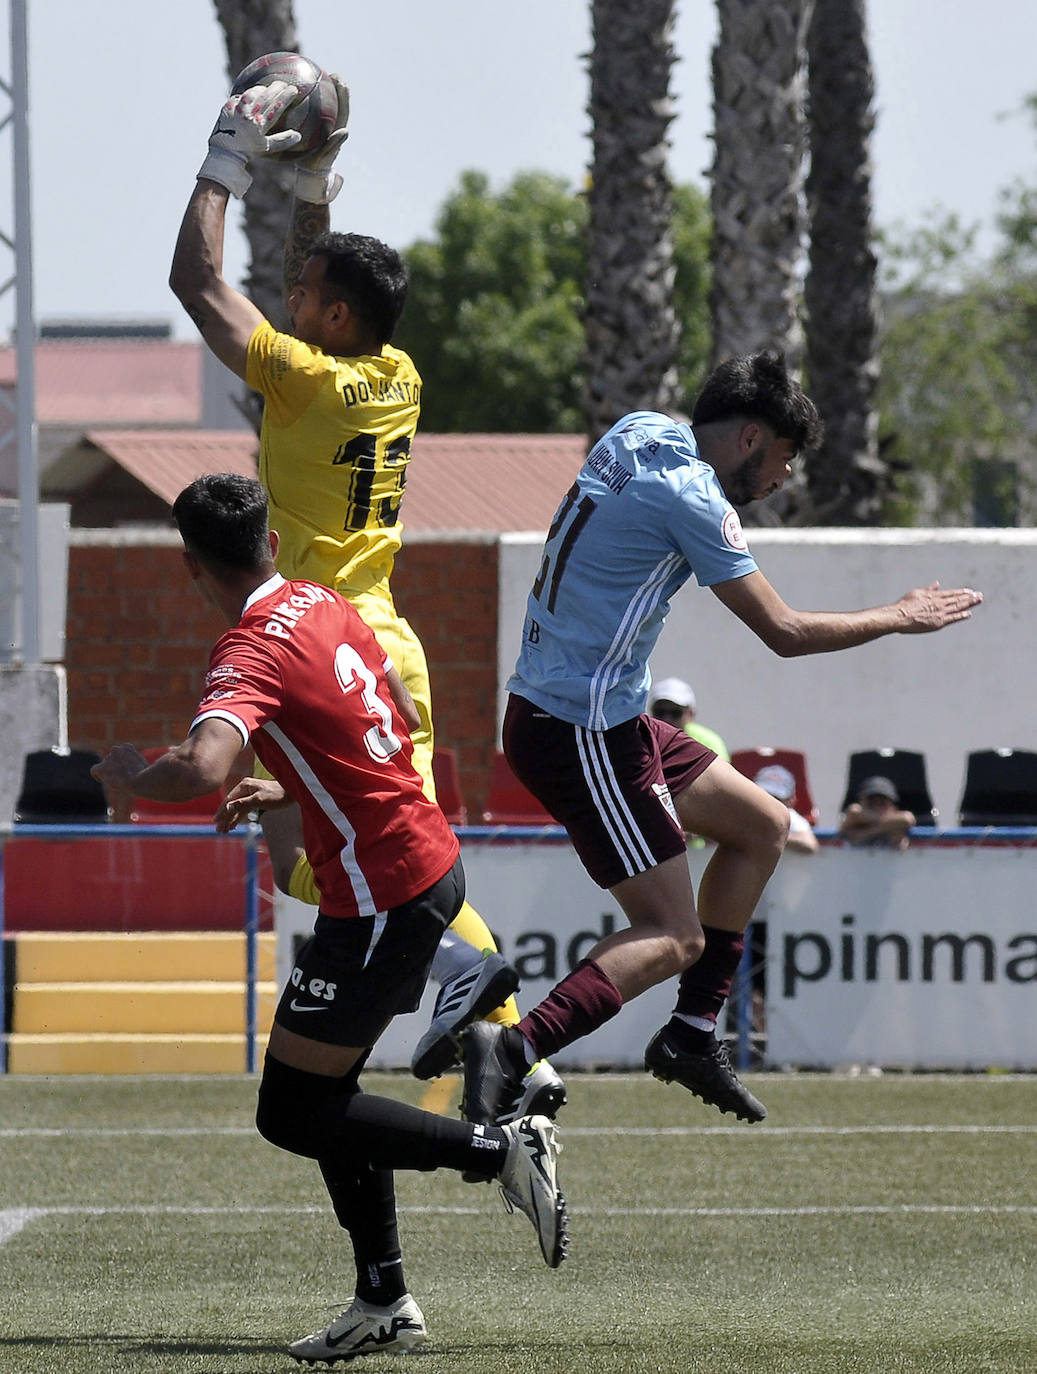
(971,686)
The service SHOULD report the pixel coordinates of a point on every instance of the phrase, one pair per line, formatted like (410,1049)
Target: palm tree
(251,28)
(757,175)
(631,329)
(846,479)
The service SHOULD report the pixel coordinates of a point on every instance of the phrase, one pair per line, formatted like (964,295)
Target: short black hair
(368,275)
(758,387)
(223,521)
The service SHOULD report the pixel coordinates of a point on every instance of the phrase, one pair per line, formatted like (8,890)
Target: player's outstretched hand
(241,133)
(315,182)
(931,608)
(119,766)
(250,794)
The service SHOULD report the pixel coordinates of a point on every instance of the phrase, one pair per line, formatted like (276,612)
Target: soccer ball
(314,111)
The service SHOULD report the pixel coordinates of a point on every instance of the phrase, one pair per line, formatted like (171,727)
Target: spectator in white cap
(673,700)
(779,782)
(876,818)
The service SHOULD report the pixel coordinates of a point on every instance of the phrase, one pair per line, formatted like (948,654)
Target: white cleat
(529,1182)
(541,1093)
(364,1330)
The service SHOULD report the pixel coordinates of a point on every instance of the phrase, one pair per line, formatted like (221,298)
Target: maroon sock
(584,1000)
(706,986)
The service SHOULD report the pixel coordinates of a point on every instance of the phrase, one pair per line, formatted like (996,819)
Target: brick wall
(138,637)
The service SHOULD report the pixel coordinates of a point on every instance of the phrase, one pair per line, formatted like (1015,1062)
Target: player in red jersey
(301,678)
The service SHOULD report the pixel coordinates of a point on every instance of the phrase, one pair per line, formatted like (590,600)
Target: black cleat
(494,1066)
(709,1075)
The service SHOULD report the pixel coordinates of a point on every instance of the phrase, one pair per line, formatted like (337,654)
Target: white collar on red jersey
(270,585)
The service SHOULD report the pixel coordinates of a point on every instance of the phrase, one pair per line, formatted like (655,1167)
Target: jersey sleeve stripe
(216,713)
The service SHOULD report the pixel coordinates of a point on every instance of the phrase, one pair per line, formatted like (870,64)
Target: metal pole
(25,341)
(251,944)
(3,970)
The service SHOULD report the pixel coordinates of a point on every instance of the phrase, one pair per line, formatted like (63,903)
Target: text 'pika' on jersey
(302,678)
(644,514)
(333,453)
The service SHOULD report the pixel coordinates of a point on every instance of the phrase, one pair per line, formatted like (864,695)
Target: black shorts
(612,789)
(355,974)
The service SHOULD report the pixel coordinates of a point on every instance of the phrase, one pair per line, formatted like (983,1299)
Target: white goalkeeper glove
(240,133)
(315,182)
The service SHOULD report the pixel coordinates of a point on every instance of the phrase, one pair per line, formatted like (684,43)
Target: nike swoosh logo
(670,1054)
(296,1007)
(333,1340)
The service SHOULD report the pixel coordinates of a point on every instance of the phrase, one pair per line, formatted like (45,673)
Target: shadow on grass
(133,1345)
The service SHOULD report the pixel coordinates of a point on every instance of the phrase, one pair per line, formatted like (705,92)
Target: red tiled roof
(486,482)
(489,481)
(85,382)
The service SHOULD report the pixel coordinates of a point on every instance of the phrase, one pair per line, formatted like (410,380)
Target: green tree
(958,397)
(494,316)
(957,393)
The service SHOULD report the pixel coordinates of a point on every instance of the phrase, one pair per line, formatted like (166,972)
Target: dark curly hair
(368,275)
(758,387)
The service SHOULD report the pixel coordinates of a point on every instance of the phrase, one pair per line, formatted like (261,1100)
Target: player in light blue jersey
(653,506)
(592,619)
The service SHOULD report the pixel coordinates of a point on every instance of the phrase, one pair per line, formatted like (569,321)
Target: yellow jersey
(333,453)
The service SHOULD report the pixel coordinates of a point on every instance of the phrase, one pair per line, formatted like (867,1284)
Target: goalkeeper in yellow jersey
(341,408)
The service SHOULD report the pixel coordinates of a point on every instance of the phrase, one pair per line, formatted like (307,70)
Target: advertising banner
(920,959)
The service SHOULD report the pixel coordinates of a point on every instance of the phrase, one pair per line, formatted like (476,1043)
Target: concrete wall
(968,687)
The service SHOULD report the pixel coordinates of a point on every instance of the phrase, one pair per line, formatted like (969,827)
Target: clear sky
(123,94)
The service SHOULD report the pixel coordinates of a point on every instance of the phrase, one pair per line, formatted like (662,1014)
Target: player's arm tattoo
(308,223)
(197,315)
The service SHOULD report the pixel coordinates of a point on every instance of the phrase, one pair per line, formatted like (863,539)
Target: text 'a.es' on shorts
(612,789)
(356,973)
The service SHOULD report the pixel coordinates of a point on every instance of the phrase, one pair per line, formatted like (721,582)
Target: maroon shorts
(611,789)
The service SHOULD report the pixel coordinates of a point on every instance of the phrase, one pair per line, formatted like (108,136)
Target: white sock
(701,1023)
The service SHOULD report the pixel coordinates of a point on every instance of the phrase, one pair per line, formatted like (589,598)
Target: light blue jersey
(644,515)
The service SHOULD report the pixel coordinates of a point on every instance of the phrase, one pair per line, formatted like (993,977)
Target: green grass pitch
(869,1226)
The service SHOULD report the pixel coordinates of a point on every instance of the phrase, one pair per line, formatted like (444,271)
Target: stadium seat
(750,761)
(447,778)
(57,789)
(906,771)
(1000,788)
(508,802)
(197,811)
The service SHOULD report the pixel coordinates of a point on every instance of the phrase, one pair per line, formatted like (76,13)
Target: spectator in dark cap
(876,818)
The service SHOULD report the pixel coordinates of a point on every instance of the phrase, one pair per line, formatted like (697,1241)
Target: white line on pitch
(15,1219)
(743,1132)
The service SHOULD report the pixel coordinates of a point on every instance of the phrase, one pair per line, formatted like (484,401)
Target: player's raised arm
(316,186)
(224,316)
(791,633)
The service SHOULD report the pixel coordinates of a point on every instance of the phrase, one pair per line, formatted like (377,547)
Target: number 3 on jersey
(354,675)
(571,518)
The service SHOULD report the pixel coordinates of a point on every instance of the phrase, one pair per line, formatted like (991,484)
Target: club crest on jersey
(731,529)
(663,793)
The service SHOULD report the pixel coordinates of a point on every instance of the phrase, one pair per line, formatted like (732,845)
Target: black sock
(690,1038)
(365,1205)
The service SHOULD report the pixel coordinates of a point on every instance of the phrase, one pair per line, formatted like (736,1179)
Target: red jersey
(302,678)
